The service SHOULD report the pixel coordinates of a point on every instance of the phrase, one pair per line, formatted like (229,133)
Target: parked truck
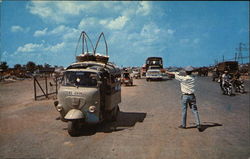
(230,66)
(154,63)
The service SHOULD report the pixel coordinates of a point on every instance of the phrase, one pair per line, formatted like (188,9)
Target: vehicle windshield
(79,79)
(152,67)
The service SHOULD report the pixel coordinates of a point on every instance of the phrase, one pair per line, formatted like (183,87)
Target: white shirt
(225,77)
(187,83)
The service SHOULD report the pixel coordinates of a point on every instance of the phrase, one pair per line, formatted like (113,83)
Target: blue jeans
(191,101)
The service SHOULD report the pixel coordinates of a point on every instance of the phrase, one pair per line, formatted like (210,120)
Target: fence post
(56,84)
(34,87)
(46,86)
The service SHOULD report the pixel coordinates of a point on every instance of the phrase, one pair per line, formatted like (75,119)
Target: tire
(115,113)
(241,88)
(229,91)
(73,128)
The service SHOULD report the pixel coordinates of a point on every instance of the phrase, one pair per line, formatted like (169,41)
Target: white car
(154,74)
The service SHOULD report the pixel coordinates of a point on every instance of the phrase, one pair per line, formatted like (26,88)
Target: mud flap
(74,114)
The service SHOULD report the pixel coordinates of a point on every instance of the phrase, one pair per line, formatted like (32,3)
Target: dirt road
(147,126)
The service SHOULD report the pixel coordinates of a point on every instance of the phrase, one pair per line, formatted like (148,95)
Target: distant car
(127,79)
(165,76)
(154,74)
(136,74)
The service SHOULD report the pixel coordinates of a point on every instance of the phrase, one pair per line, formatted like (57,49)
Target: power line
(242,47)
(238,55)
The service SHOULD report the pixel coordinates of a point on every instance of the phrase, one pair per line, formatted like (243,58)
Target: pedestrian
(224,78)
(187,83)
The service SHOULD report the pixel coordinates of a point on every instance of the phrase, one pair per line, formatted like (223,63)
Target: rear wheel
(229,91)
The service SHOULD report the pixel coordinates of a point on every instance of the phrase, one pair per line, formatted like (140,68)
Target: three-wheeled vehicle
(90,92)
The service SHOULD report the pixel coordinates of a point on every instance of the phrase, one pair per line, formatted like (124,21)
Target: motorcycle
(239,86)
(227,88)
(127,80)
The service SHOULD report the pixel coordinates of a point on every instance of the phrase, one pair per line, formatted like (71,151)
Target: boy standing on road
(187,83)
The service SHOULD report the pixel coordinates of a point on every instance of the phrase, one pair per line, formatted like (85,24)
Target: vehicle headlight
(59,107)
(92,109)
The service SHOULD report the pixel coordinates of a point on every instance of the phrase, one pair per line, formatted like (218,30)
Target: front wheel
(73,128)
(115,113)
(229,91)
(242,89)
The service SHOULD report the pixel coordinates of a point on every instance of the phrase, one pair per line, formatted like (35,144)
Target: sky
(182,33)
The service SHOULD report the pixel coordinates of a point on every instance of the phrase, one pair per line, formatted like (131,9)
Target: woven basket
(86,57)
(103,59)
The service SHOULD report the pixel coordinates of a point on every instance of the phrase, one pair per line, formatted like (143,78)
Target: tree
(31,66)
(39,67)
(46,65)
(17,66)
(4,66)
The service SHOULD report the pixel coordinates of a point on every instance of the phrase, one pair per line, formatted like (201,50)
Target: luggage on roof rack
(91,56)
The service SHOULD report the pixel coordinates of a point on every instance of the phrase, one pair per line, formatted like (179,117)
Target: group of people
(227,80)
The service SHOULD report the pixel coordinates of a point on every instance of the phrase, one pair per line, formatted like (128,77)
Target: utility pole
(222,58)
(215,62)
(240,49)
(235,57)
(240,53)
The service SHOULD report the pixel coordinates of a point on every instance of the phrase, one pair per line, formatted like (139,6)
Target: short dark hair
(188,72)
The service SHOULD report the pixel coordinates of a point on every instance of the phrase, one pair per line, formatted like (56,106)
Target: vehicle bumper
(154,77)
(87,117)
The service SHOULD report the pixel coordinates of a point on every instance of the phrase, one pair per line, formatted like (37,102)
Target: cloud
(17,28)
(41,48)
(88,22)
(144,8)
(40,32)
(63,11)
(30,47)
(45,10)
(59,30)
(55,48)
(115,24)
(189,42)
(128,22)
(170,31)
(152,33)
